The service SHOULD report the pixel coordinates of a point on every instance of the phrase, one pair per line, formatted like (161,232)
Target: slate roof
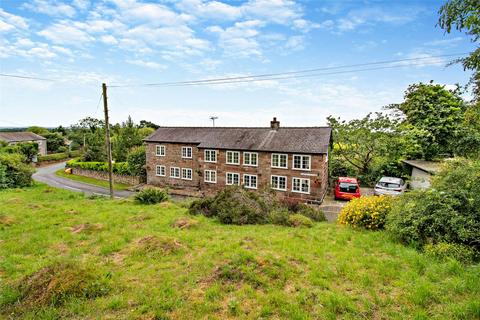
(20,136)
(285,139)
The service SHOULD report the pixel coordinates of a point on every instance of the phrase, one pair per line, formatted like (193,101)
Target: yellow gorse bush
(369,212)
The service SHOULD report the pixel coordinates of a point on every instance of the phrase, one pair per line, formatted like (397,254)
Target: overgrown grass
(142,265)
(100,183)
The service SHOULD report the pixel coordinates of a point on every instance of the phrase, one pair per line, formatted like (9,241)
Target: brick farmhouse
(201,161)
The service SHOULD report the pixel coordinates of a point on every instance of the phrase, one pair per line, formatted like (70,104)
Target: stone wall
(101,175)
(318,174)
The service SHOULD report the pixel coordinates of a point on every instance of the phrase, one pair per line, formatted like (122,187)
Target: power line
(269,75)
(24,77)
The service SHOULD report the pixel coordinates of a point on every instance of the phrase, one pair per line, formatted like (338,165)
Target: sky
(80,44)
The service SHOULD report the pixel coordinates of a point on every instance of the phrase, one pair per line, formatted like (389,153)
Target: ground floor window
(301,185)
(250,181)
(233,179)
(160,171)
(186,174)
(279,183)
(210,176)
(174,172)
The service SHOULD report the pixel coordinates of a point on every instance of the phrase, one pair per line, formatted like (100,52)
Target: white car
(390,186)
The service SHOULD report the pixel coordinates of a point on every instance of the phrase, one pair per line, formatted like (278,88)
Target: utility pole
(107,138)
(213,118)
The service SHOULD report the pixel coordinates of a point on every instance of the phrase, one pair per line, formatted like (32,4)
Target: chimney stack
(274,124)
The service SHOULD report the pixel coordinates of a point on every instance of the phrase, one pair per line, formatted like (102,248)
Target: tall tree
(126,138)
(464,15)
(431,116)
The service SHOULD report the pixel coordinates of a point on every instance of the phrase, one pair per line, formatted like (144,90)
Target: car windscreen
(389,185)
(348,187)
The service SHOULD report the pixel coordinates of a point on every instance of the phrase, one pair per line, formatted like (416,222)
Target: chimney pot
(274,124)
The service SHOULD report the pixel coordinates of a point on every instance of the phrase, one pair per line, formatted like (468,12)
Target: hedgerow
(59,156)
(117,167)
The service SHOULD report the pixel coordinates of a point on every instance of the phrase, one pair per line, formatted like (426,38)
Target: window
(233,157)
(279,183)
(250,181)
(187,152)
(211,176)
(279,160)
(210,155)
(186,174)
(301,162)
(174,172)
(301,185)
(160,171)
(233,179)
(250,159)
(160,151)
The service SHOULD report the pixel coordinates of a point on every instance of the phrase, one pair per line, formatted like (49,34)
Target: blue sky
(83,43)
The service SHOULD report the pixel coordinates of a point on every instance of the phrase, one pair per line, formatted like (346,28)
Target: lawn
(146,268)
(96,182)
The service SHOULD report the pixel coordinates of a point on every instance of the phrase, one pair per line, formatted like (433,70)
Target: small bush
(445,251)
(151,196)
(315,214)
(280,216)
(367,212)
(298,220)
(136,160)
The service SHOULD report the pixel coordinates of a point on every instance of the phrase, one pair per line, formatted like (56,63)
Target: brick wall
(101,175)
(318,174)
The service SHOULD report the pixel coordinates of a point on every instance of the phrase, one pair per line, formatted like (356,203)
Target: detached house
(198,160)
(19,137)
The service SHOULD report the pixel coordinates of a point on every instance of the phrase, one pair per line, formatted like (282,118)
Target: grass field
(128,261)
(96,182)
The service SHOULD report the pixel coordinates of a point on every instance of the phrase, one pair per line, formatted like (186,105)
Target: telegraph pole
(107,138)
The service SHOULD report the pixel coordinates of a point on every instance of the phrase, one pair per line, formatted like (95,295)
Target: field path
(47,175)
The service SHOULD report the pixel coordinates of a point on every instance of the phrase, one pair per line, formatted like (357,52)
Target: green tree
(431,117)
(464,16)
(365,145)
(148,124)
(38,130)
(127,137)
(55,140)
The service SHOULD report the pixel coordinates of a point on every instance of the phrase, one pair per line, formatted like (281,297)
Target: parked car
(347,188)
(390,186)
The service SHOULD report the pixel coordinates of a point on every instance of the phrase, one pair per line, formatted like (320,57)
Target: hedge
(118,167)
(59,156)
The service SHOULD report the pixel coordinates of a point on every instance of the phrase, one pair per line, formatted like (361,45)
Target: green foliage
(236,205)
(368,212)
(137,162)
(14,172)
(361,146)
(55,141)
(464,15)
(148,124)
(28,149)
(151,196)
(297,220)
(59,156)
(445,251)
(431,116)
(117,167)
(448,212)
(38,130)
(126,137)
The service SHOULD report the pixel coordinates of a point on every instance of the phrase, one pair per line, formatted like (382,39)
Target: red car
(347,188)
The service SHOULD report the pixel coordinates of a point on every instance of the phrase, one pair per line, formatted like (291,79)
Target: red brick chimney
(274,124)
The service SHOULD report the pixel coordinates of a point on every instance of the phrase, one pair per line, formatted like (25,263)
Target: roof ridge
(196,127)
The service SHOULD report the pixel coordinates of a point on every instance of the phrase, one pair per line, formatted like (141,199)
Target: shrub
(448,212)
(137,161)
(367,212)
(299,220)
(151,196)
(315,214)
(14,172)
(117,167)
(445,251)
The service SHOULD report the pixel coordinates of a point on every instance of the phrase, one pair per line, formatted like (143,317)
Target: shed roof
(20,136)
(424,165)
(284,139)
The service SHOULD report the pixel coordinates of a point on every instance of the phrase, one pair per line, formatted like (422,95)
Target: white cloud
(210,9)
(147,64)
(426,59)
(108,39)
(41,52)
(62,32)
(81,4)
(51,8)
(453,42)
(10,22)
(305,25)
(295,43)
